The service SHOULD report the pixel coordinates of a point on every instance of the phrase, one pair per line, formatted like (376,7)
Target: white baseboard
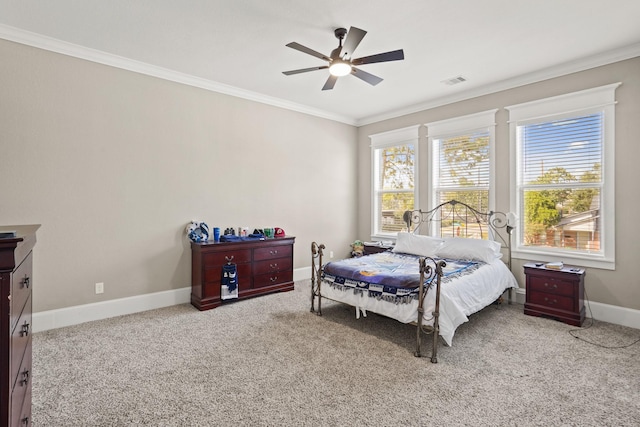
(613,314)
(53,319)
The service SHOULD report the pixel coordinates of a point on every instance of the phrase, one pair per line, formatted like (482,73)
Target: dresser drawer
(21,396)
(272,252)
(21,338)
(20,288)
(214,274)
(551,284)
(273,265)
(271,279)
(211,289)
(220,258)
(556,302)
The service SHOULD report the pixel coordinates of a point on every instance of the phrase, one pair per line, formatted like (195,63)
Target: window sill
(567,258)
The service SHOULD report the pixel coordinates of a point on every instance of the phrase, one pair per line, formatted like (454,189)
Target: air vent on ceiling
(454,81)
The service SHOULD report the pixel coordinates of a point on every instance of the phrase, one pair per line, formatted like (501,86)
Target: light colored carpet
(268,361)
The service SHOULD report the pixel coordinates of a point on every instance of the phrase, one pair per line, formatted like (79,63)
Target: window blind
(562,151)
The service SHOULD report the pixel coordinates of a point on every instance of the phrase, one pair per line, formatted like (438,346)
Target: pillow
(414,244)
(470,249)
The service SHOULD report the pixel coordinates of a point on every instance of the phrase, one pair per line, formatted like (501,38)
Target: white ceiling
(238,46)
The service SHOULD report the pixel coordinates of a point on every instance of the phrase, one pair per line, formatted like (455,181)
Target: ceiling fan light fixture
(340,68)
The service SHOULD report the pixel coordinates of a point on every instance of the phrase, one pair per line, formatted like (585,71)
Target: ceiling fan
(341,62)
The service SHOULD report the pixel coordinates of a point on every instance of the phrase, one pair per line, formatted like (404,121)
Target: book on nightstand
(557,265)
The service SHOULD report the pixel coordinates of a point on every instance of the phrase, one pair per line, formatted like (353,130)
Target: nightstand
(376,248)
(558,294)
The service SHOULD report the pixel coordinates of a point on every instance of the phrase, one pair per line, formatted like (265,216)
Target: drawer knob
(274,266)
(273,251)
(25,282)
(273,279)
(547,285)
(25,377)
(550,301)
(229,259)
(25,329)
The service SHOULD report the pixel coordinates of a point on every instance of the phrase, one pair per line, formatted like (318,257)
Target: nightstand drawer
(551,285)
(556,302)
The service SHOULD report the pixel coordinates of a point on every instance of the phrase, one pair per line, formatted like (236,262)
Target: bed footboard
(430,272)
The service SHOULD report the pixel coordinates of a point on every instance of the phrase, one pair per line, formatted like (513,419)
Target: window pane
(563,218)
(396,167)
(463,161)
(561,162)
(567,150)
(393,206)
(454,223)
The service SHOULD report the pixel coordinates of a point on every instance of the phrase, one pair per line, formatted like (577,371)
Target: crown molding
(582,64)
(58,46)
(54,45)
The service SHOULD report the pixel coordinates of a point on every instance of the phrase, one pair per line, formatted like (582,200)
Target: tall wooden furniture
(558,294)
(16,283)
(263,266)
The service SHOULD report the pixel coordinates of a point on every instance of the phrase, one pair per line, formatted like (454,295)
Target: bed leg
(510,295)
(418,352)
(436,332)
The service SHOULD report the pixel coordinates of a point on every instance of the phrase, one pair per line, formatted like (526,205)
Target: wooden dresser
(263,266)
(16,284)
(558,294)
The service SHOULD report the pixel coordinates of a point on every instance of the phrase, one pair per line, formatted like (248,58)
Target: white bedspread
(459,298)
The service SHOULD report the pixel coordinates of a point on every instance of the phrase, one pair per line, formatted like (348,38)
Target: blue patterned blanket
(388,275)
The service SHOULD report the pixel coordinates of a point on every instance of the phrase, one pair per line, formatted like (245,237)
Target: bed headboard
(458,219)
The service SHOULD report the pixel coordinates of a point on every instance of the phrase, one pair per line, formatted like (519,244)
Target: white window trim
(408,135)
(587,101)
(484,120)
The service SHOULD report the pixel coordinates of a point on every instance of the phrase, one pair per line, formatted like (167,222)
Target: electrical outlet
(330,254)
(99,288)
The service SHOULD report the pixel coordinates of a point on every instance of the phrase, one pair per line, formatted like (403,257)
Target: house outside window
(394,156)
(462,169)
(562,177)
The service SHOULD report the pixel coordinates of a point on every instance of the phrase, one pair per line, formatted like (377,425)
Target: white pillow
(409,243)
(469,249)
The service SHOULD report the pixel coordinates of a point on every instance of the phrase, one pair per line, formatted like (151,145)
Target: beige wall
(620,287)
(114,164)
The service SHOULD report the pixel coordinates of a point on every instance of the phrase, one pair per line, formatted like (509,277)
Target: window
(562,170)
(461,161)
(394,159)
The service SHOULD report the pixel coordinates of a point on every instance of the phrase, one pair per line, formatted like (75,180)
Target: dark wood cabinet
(16,284)
(263,266)
(558,294)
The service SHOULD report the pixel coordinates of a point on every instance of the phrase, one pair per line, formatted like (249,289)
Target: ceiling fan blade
(331,82)
(354,37)
(304,49)
(367,77)
(395,55)
(304,70)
